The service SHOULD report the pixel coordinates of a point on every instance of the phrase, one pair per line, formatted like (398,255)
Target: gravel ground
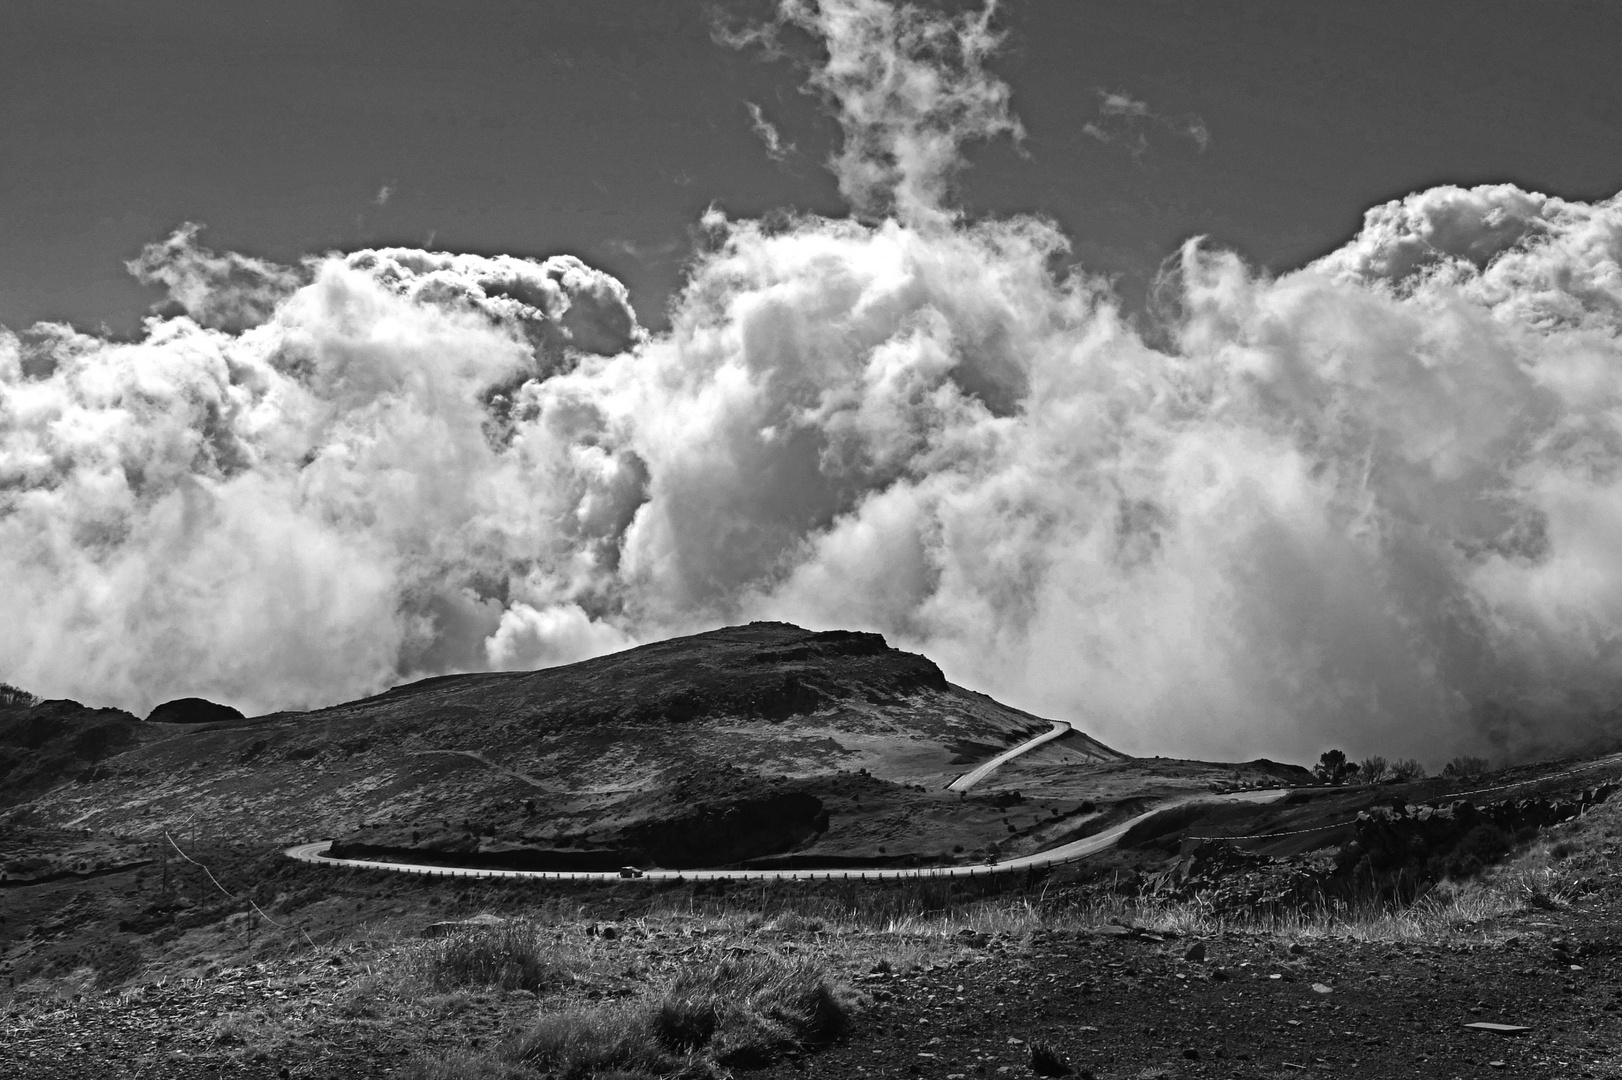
(1128,1007)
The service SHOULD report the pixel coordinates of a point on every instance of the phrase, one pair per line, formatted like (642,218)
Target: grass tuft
(509,956)
(585,1043)
(749,1011)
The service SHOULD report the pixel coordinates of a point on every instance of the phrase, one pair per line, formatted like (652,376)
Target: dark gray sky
(604,129)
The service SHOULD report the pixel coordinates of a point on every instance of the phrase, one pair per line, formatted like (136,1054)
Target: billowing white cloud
(1376,502)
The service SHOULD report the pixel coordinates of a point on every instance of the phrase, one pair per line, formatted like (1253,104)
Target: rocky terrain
(945,987)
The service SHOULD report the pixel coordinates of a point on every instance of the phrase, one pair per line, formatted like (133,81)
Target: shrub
(1373,769)
(1046,1061)
(1481,846)
(1405,769)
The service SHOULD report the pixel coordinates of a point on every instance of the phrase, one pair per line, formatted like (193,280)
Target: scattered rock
(445,929)
(1195,953)
(1046,1061)
(1498,1029)
(1320,988)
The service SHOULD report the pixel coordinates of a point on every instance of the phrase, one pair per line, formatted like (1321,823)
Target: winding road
(980,772)
(1071,852)
(1076,849)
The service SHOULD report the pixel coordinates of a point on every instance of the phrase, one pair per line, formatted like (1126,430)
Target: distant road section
(1078,849)
(980,772)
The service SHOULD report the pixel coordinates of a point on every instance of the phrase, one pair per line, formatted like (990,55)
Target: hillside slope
(744,740)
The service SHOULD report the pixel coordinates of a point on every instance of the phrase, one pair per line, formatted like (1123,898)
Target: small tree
(1333,768)
(1467,765)
(1405,769)
(1373,769)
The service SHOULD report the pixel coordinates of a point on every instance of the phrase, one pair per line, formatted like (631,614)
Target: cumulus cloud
(227,291)
(1375,502)
(1124,120)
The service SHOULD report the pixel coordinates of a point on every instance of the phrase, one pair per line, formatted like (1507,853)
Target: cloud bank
(1375,502)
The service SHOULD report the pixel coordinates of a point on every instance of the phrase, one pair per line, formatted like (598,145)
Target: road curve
(1071,852)
(980,772)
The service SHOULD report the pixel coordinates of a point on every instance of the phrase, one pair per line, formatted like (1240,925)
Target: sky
(1233,380)
(604,130)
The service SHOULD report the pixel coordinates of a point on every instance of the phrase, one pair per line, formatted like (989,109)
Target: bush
(1405,769)
(1373,769)
(1481,847)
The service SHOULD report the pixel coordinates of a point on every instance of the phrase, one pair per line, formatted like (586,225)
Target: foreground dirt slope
(946,1003)
(1125,1008)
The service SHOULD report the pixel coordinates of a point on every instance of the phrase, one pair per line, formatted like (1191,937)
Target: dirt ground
(1118,1007)
(1113,1004)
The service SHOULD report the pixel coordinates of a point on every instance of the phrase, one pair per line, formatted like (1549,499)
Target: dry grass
(515,955)
(250,1036)
(747,1011)
(733,1013)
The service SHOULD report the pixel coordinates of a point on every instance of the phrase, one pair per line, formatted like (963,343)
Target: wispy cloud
(383,195)
(1126,121)
(776,148)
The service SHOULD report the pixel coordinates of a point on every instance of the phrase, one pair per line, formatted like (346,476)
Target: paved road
(980,772)
(1079,849)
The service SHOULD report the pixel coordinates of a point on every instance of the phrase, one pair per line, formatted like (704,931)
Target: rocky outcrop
(192,710)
